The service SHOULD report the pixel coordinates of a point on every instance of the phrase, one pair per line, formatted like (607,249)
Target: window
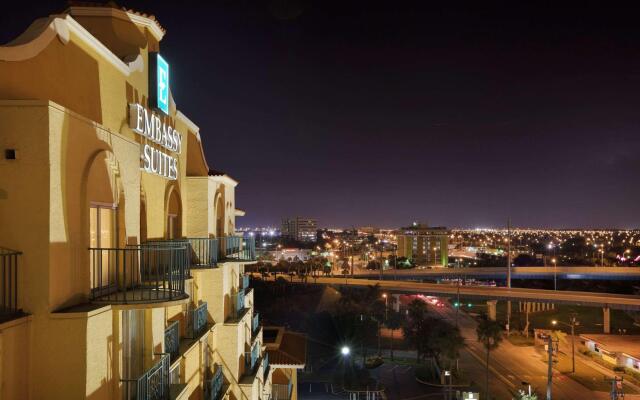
(103,234)
(133,348)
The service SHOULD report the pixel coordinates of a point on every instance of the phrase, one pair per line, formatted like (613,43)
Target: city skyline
(453,115)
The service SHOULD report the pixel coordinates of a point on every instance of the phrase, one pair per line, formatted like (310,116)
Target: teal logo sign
(158,82)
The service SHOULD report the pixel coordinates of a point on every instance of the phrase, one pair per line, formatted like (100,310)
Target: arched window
(174,216)
(220,215)
(106,213)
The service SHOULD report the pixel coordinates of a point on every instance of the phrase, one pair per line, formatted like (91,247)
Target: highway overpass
(604,300)
(582,273)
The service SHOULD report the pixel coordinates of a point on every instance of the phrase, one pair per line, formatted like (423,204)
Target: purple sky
(366,114)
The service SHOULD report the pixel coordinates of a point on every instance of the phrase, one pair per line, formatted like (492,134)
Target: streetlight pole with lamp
(555,273)
(386,306)
(572,323)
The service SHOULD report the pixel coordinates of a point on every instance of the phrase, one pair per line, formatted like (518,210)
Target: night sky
(382,113)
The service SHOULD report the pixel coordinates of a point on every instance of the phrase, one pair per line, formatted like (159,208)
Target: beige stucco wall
(15,359)
(24,196)
(65,109)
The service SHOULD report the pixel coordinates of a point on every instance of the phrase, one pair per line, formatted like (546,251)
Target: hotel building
(121,276)
(300,229)
(424,245)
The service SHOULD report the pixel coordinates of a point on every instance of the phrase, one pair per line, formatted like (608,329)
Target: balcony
(213,386)
(281,391)
(172,340)
(255,325)
(203,252)
(199,320)
(239,304)
(153,272)
(244,282)
(236,248)
(152,385)
(207,252)
(9,284)
(251,360)
(265,364)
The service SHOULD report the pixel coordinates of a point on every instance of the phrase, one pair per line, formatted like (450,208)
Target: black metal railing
(199,320)
(8,282)
(239,303)
(172,340)
(250,359)
(237,248)
(207,252)
(186,256)
(280,391)
(152,385)
(245,281)
(266,366)
(213,389)
(255,324)
(151,272)
(204,252)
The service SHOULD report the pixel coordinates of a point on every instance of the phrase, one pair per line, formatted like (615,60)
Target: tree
(521,395)
(415,328)
(489,332)
(373,264)
(393,322)
(281,284)
(445,342)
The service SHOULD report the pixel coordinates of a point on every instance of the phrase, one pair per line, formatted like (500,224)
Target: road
(561,272)
(618,301)
(511,365)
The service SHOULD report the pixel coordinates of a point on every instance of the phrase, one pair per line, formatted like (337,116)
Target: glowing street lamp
(572,324)
(345,351)
(555,273)
(386,306)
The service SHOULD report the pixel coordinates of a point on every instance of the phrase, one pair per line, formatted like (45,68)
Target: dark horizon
(367,113)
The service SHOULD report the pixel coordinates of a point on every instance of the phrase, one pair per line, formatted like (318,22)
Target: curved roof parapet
(111,9)
(40,34)
(222,176)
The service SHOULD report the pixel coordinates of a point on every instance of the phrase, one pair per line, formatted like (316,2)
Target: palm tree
(489,332)
(394,321)
(416,327)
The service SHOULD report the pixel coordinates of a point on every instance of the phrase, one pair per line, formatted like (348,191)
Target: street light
(572,323)
(345,351)
(450,388)
(555,273)
(386,306)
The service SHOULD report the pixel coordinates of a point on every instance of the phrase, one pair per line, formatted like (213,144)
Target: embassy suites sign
(159,156)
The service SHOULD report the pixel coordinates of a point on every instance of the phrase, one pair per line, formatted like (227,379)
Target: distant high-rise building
(300,229)
(424,245)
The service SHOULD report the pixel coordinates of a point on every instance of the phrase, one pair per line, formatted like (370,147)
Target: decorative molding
(136,65)
(151,24)
(61,26)
(53,27)
(190,124)
(100,48)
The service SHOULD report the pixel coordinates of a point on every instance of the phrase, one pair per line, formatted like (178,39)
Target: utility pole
(509,253)
(509,274)
(395,262)
(573,348)
(550,343)
(617,392)
(381,261)
(458,301)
